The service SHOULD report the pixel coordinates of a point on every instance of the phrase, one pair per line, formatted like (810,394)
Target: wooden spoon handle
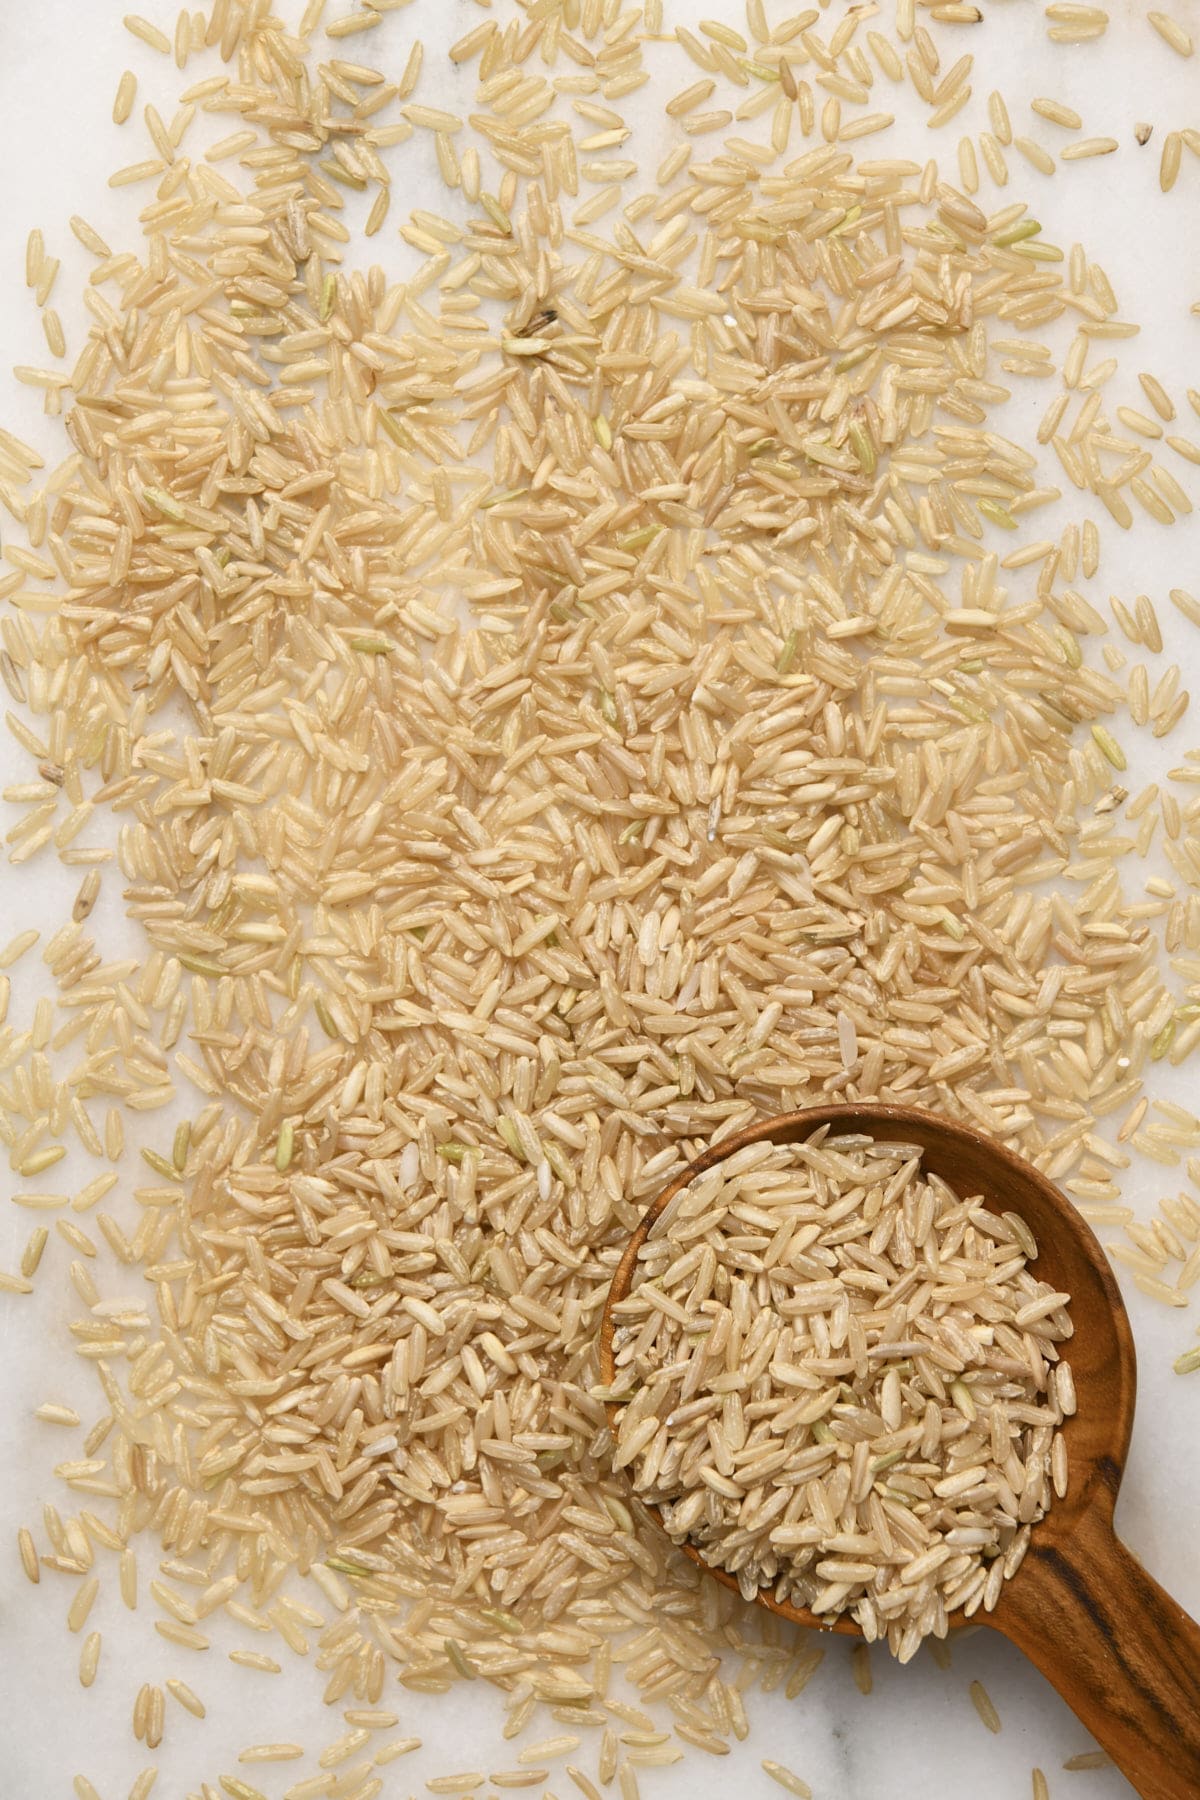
(1124,1656)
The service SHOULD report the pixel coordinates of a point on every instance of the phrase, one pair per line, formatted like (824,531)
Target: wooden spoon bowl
(1123,1655)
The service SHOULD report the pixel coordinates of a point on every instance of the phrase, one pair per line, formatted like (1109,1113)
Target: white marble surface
(917,1734)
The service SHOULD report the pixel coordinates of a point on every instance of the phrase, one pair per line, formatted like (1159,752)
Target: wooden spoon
(1124,1656)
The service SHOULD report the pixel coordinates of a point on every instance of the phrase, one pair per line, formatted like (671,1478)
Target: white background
(917,1734)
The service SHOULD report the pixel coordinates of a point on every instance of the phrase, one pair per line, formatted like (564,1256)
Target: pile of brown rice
(540,713)
(845,1384)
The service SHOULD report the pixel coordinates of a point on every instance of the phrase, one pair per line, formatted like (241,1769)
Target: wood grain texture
(1123,1655)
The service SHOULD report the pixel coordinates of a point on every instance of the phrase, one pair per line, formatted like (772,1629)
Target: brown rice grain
(981,1701)
(1171,32)
(787,1779)
(29,1557)
(147,33)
